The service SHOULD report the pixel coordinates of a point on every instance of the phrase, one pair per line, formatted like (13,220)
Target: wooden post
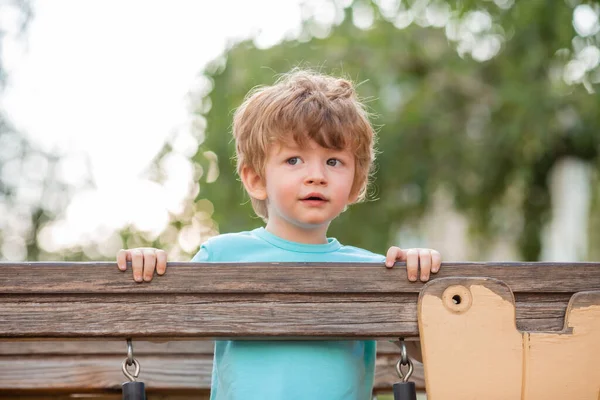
(472,348)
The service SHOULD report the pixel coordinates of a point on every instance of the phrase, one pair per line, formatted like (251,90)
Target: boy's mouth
(317,197)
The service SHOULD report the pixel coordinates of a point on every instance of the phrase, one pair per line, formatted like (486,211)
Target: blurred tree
(476,98)
(31,191)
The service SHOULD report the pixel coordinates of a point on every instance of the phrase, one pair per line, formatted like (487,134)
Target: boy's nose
(316,181)
(315,176)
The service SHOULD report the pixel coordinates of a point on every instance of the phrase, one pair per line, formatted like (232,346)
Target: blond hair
(303,106)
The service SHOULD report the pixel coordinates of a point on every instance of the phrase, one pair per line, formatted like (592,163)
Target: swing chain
(404,360)
(130,361)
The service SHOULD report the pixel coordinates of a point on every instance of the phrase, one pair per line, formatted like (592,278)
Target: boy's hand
(429,260)
(144,261)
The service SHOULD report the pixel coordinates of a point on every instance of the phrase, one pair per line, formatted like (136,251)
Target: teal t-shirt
(290,370)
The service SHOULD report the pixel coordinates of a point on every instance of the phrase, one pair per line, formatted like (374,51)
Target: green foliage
(485,128)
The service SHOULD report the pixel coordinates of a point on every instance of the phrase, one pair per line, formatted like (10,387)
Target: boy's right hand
(144,261)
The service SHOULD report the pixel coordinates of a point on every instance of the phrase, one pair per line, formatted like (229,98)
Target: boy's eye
(293,160)
(332,162)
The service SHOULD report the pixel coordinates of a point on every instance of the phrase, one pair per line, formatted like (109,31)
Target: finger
(137,264)
(122,257)
(425,264)
(161,262)
(149,264)
(412,264)
(436,261)
(394,254)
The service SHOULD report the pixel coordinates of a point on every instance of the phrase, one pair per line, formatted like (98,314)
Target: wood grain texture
(185,277)
(160,373)
(93,367)
(191,348)
(276,300)
(65,303)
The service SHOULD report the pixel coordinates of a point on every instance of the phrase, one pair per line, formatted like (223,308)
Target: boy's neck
(317,235)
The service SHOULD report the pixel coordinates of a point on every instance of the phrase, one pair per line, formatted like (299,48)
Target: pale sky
(109,79)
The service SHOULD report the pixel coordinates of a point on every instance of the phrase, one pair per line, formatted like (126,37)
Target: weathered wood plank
(93,367)
(98,347)
(95,300)
(160,373)
(18,348)
(97,373)
(188,316)
(104,277)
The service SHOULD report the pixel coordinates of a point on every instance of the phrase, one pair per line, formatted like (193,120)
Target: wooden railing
(177,369)
(50,311)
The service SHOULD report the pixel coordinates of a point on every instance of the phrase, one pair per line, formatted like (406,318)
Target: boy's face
(307,187)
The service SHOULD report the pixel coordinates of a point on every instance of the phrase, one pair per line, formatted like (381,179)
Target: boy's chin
(314,223)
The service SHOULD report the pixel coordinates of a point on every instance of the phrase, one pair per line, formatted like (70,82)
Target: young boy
(304,153)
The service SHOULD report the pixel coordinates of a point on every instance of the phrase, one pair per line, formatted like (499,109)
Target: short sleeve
(203,255)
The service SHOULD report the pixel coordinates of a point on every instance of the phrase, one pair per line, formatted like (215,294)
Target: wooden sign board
(472,348)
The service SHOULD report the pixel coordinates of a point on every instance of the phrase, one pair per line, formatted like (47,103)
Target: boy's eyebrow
(279,149)
(292,145)
(281,146)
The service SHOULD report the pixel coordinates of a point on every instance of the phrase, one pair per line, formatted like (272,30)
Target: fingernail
(389,264)
(138,278)
(434,270)
(412,278)
(424,278)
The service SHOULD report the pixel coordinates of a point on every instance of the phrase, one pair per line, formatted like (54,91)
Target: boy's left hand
(429,260)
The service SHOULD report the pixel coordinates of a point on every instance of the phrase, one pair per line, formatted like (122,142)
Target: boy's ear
(253,183)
